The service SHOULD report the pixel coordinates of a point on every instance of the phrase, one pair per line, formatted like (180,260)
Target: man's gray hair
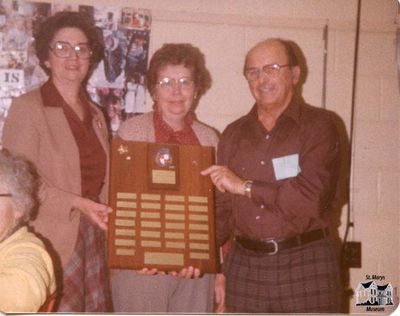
(19,178)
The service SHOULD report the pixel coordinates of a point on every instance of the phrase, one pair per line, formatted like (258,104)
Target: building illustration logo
(374,296)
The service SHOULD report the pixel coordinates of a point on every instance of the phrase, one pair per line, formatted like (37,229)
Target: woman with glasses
(64,134)
(26,270)
(176,79)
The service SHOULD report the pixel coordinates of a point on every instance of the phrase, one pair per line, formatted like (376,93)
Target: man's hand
(96,212)
(224,179)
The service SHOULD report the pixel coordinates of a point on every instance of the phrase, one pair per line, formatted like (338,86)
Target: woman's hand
(187,273)
(147,271)
(219,292)
(96,212)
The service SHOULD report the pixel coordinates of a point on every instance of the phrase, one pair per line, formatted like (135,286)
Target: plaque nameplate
(163,208)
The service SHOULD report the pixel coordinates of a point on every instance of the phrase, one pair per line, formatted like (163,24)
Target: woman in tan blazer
(64,134)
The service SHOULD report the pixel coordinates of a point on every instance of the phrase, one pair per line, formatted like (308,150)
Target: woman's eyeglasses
(64,49)
(5,194)
(183,83)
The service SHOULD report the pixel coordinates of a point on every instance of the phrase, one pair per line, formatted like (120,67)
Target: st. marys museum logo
(374,296)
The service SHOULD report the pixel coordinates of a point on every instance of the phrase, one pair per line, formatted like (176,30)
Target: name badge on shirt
(286,167)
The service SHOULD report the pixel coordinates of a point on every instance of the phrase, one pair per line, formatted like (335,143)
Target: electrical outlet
(352,254)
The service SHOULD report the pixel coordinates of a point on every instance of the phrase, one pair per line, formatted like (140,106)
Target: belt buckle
(275,247)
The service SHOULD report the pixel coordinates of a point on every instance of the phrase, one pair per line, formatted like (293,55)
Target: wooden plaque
(163,208)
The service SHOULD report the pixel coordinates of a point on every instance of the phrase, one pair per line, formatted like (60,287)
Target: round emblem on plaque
(164,157)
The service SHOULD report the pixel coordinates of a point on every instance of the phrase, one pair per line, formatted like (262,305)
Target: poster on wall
(116,85)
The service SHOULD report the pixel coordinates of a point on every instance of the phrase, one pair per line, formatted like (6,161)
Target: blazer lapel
(100,128)
(63,139)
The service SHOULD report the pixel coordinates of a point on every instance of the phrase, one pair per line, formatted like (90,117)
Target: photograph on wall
(19,70)
(116,85)
(126,36)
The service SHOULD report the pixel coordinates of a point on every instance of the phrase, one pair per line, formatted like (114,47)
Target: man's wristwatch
(247,188)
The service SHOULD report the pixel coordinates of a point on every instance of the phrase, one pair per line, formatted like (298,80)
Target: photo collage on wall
(116,85)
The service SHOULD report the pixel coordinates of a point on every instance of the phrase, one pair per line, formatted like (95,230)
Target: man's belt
(272,246)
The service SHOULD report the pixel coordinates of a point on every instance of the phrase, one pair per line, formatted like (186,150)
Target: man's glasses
(183,83)
(64,50)
(271,70)
(5,194)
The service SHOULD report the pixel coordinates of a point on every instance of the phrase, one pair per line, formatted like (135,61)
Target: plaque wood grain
(163,209)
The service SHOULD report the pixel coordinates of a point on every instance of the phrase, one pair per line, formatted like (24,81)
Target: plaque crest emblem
(164,157)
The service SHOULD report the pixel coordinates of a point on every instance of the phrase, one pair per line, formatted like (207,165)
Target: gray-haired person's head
(19,178)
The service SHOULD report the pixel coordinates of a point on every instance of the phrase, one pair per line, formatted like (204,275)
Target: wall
(224,30)
(375,185)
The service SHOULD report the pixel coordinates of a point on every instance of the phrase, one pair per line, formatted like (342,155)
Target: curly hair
(19,177)
(64,19)
(178,54)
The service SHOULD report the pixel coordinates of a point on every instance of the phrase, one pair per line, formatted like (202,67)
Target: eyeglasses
(183,83)
(64,50)
(5,194)
(271,70)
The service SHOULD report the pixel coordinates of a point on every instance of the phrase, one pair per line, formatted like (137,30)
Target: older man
(277,172)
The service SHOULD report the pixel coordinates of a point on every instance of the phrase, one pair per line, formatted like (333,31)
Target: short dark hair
(177,54)
(60,20)
(290,52)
